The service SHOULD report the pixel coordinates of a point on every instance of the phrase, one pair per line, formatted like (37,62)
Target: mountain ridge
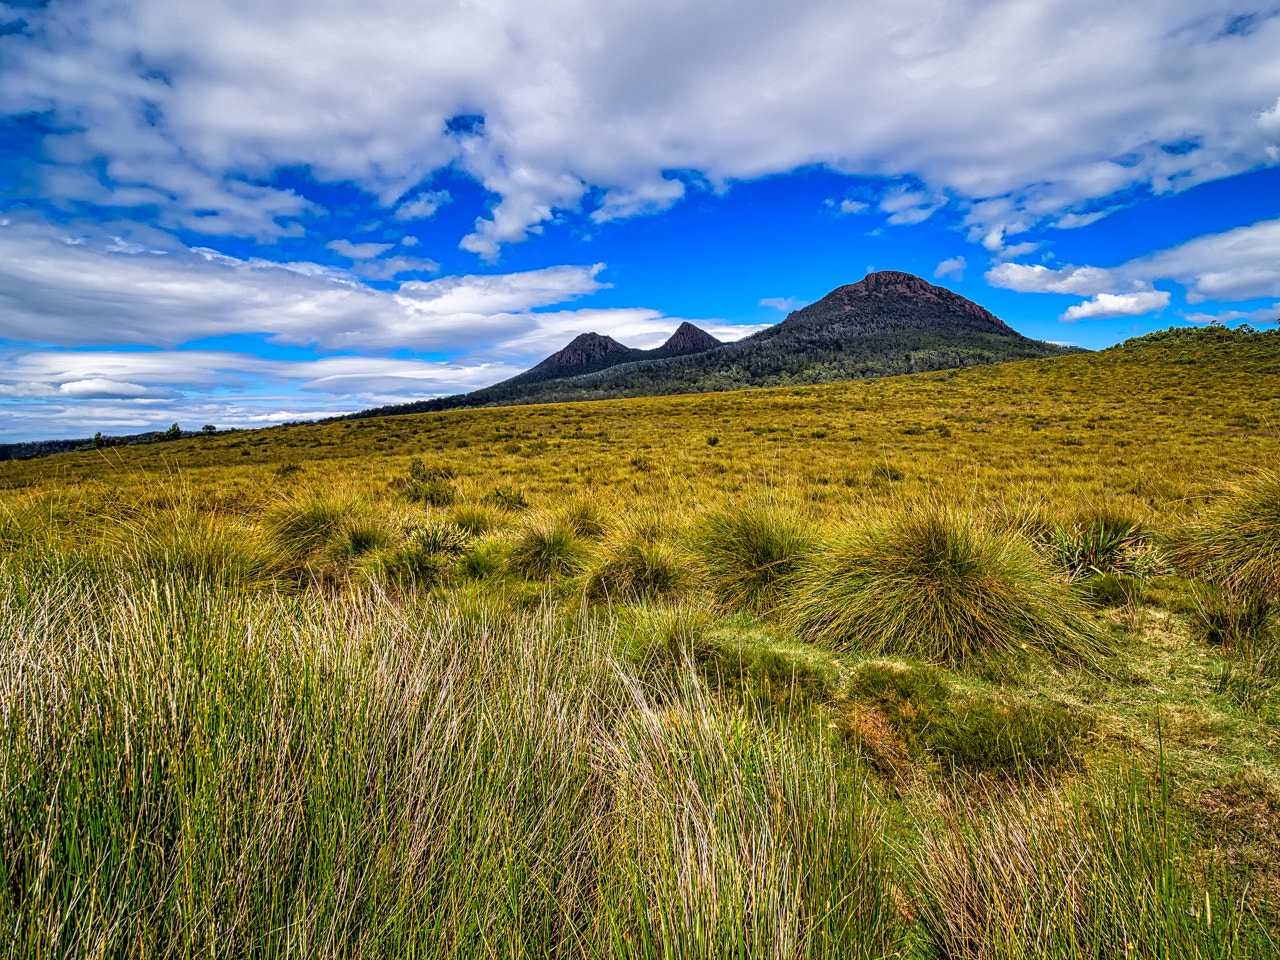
(889,322)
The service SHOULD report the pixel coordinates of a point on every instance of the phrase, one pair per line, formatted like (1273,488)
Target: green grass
(629,693)
(934,583)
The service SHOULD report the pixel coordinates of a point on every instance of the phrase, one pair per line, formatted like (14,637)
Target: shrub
(633,568)
(934,584)
(749,554)
(545,549)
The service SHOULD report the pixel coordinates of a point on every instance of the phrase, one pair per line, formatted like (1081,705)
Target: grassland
(571,681)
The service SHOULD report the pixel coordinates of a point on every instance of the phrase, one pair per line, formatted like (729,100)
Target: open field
(979,663)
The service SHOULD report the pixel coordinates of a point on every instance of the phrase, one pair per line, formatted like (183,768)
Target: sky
(243,212)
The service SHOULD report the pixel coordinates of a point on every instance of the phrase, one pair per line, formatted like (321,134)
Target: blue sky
(240,213)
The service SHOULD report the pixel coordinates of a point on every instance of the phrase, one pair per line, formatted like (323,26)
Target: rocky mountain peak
(893,299)
(584,349)
(689,339)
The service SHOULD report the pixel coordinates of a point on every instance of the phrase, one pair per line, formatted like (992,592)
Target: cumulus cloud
(190,108)
(951,268)
(1239,264)
(1118,305)
(358,251)
(423,206)
(1037,278)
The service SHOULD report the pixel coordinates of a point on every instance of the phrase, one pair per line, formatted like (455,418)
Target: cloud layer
(1022,112)
(70,302)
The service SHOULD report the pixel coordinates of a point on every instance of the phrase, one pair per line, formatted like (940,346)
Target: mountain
(688,339)
(887,323)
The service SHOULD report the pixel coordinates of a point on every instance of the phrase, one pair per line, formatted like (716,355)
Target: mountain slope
(888,323)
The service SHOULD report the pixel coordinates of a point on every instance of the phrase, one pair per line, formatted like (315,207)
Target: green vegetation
(624,692)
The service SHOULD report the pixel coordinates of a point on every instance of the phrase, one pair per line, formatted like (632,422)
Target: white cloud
(1036,278)
(86,291)
(1052,106)
(847,206)
(907,207)
(423,206)
(1263,315)
(785,304)
(951,268)
(358,251)
(1118,305)
(1240,264)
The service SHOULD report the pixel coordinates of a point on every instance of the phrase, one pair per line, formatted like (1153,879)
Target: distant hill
(885,324)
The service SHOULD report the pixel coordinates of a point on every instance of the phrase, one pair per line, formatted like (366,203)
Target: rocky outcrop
(688,339)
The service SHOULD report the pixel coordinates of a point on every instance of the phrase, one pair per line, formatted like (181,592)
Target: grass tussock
(1235,543)
(934,583)
(750,552)
(633,567)
(545,549)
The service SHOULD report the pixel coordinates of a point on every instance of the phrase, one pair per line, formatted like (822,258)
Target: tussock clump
(636,564)
(750,552)
(197,547)
(474,520)
(1235,547)
(585,517)
(933,583)
(483,561)
(1098,542)
(1236,542)
(545,549)
(306,524)
(506,498)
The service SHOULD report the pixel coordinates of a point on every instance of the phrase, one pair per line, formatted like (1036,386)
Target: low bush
(749,553)
(933,583)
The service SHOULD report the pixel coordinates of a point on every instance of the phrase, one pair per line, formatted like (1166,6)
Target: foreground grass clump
(187,770)
(1236,542)
(750,552)
(1061,875)
(933,583)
